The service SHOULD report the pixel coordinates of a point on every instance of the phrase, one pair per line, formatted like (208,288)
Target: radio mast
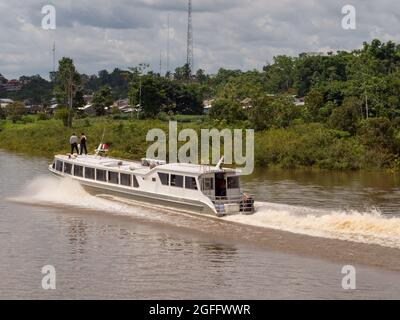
(189,59)
(54,56)
(168,42)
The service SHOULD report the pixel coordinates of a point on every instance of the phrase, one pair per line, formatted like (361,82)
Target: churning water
(360,226)
(109,248)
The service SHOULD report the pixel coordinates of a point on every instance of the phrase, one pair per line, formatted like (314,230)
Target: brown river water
(309,224)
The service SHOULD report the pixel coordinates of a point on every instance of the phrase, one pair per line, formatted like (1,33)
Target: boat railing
(245,203)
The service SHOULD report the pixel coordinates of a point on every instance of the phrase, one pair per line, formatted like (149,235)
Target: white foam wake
(366,227)
(49,191)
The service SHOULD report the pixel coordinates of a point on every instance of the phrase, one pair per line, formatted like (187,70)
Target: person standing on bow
(83,143)
(74,143)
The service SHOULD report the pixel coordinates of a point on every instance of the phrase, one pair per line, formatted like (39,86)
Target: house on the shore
(88,109)
(3,80)
(88,98)
(52,107)
(12,85)
(124,106)
(207,105)
(299,102)
(5,102)
(246,104)
(34,108)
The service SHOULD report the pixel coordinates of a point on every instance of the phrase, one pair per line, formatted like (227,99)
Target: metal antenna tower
(54,56)
(189,59)
(168,43)
(160,63)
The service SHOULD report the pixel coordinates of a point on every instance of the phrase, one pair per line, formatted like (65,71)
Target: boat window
(67,168)
(220,185)
(164,177)
(53,165)
(89,173)
(125,179)
(176,181)
(59,165)
(135,182)
(101,175)
(190,183)
(208,184)
(113,177)
(233,183)
(78,171)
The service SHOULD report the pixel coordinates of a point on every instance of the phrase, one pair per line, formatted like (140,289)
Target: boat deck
(138,167)
(104,162)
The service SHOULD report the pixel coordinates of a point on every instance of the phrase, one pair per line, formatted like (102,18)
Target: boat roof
(137,167)
(191,168)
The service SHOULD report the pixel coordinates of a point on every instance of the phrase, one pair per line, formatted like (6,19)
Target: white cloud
(227,33)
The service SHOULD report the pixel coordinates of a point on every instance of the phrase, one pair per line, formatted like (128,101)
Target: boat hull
(154,200)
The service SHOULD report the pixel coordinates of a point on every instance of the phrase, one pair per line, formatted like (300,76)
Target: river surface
(308,225)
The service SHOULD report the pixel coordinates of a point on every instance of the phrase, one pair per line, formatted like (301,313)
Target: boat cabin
(218,188)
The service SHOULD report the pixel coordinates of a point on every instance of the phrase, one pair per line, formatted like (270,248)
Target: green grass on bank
(306,145)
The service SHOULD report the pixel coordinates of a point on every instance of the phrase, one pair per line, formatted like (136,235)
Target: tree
(273,112)
(244,85)
(62,114)
(35,89)
(15,111)
(68,82)
(227,109)
(182,73)
(188,99)
(280,74)
(346,117)
(2,113)
(79,100)
(378,132)
(101,100)
(201,77)
(148,92)
(314,102)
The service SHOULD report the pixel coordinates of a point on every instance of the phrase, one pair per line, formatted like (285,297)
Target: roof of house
(88,106)
(6,101)
(247,100)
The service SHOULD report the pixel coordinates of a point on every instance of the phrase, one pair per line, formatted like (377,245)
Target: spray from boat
(370,227)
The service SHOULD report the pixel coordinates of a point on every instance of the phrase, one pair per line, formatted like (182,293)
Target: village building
(207,105)
(11,86)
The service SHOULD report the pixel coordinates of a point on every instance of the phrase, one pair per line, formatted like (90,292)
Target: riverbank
(306,145)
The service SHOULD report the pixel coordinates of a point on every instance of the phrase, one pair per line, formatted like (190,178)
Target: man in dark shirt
(83,143)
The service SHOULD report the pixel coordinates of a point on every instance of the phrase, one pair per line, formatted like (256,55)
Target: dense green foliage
(15,111)
(350,118)
(101,100)
(35,90)
(300,145)
(62,114)
(67,85)
(3,114)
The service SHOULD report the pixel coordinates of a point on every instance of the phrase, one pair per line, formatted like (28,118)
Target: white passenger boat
(188,187)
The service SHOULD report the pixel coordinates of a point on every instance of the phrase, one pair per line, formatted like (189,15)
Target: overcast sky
(104,34)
